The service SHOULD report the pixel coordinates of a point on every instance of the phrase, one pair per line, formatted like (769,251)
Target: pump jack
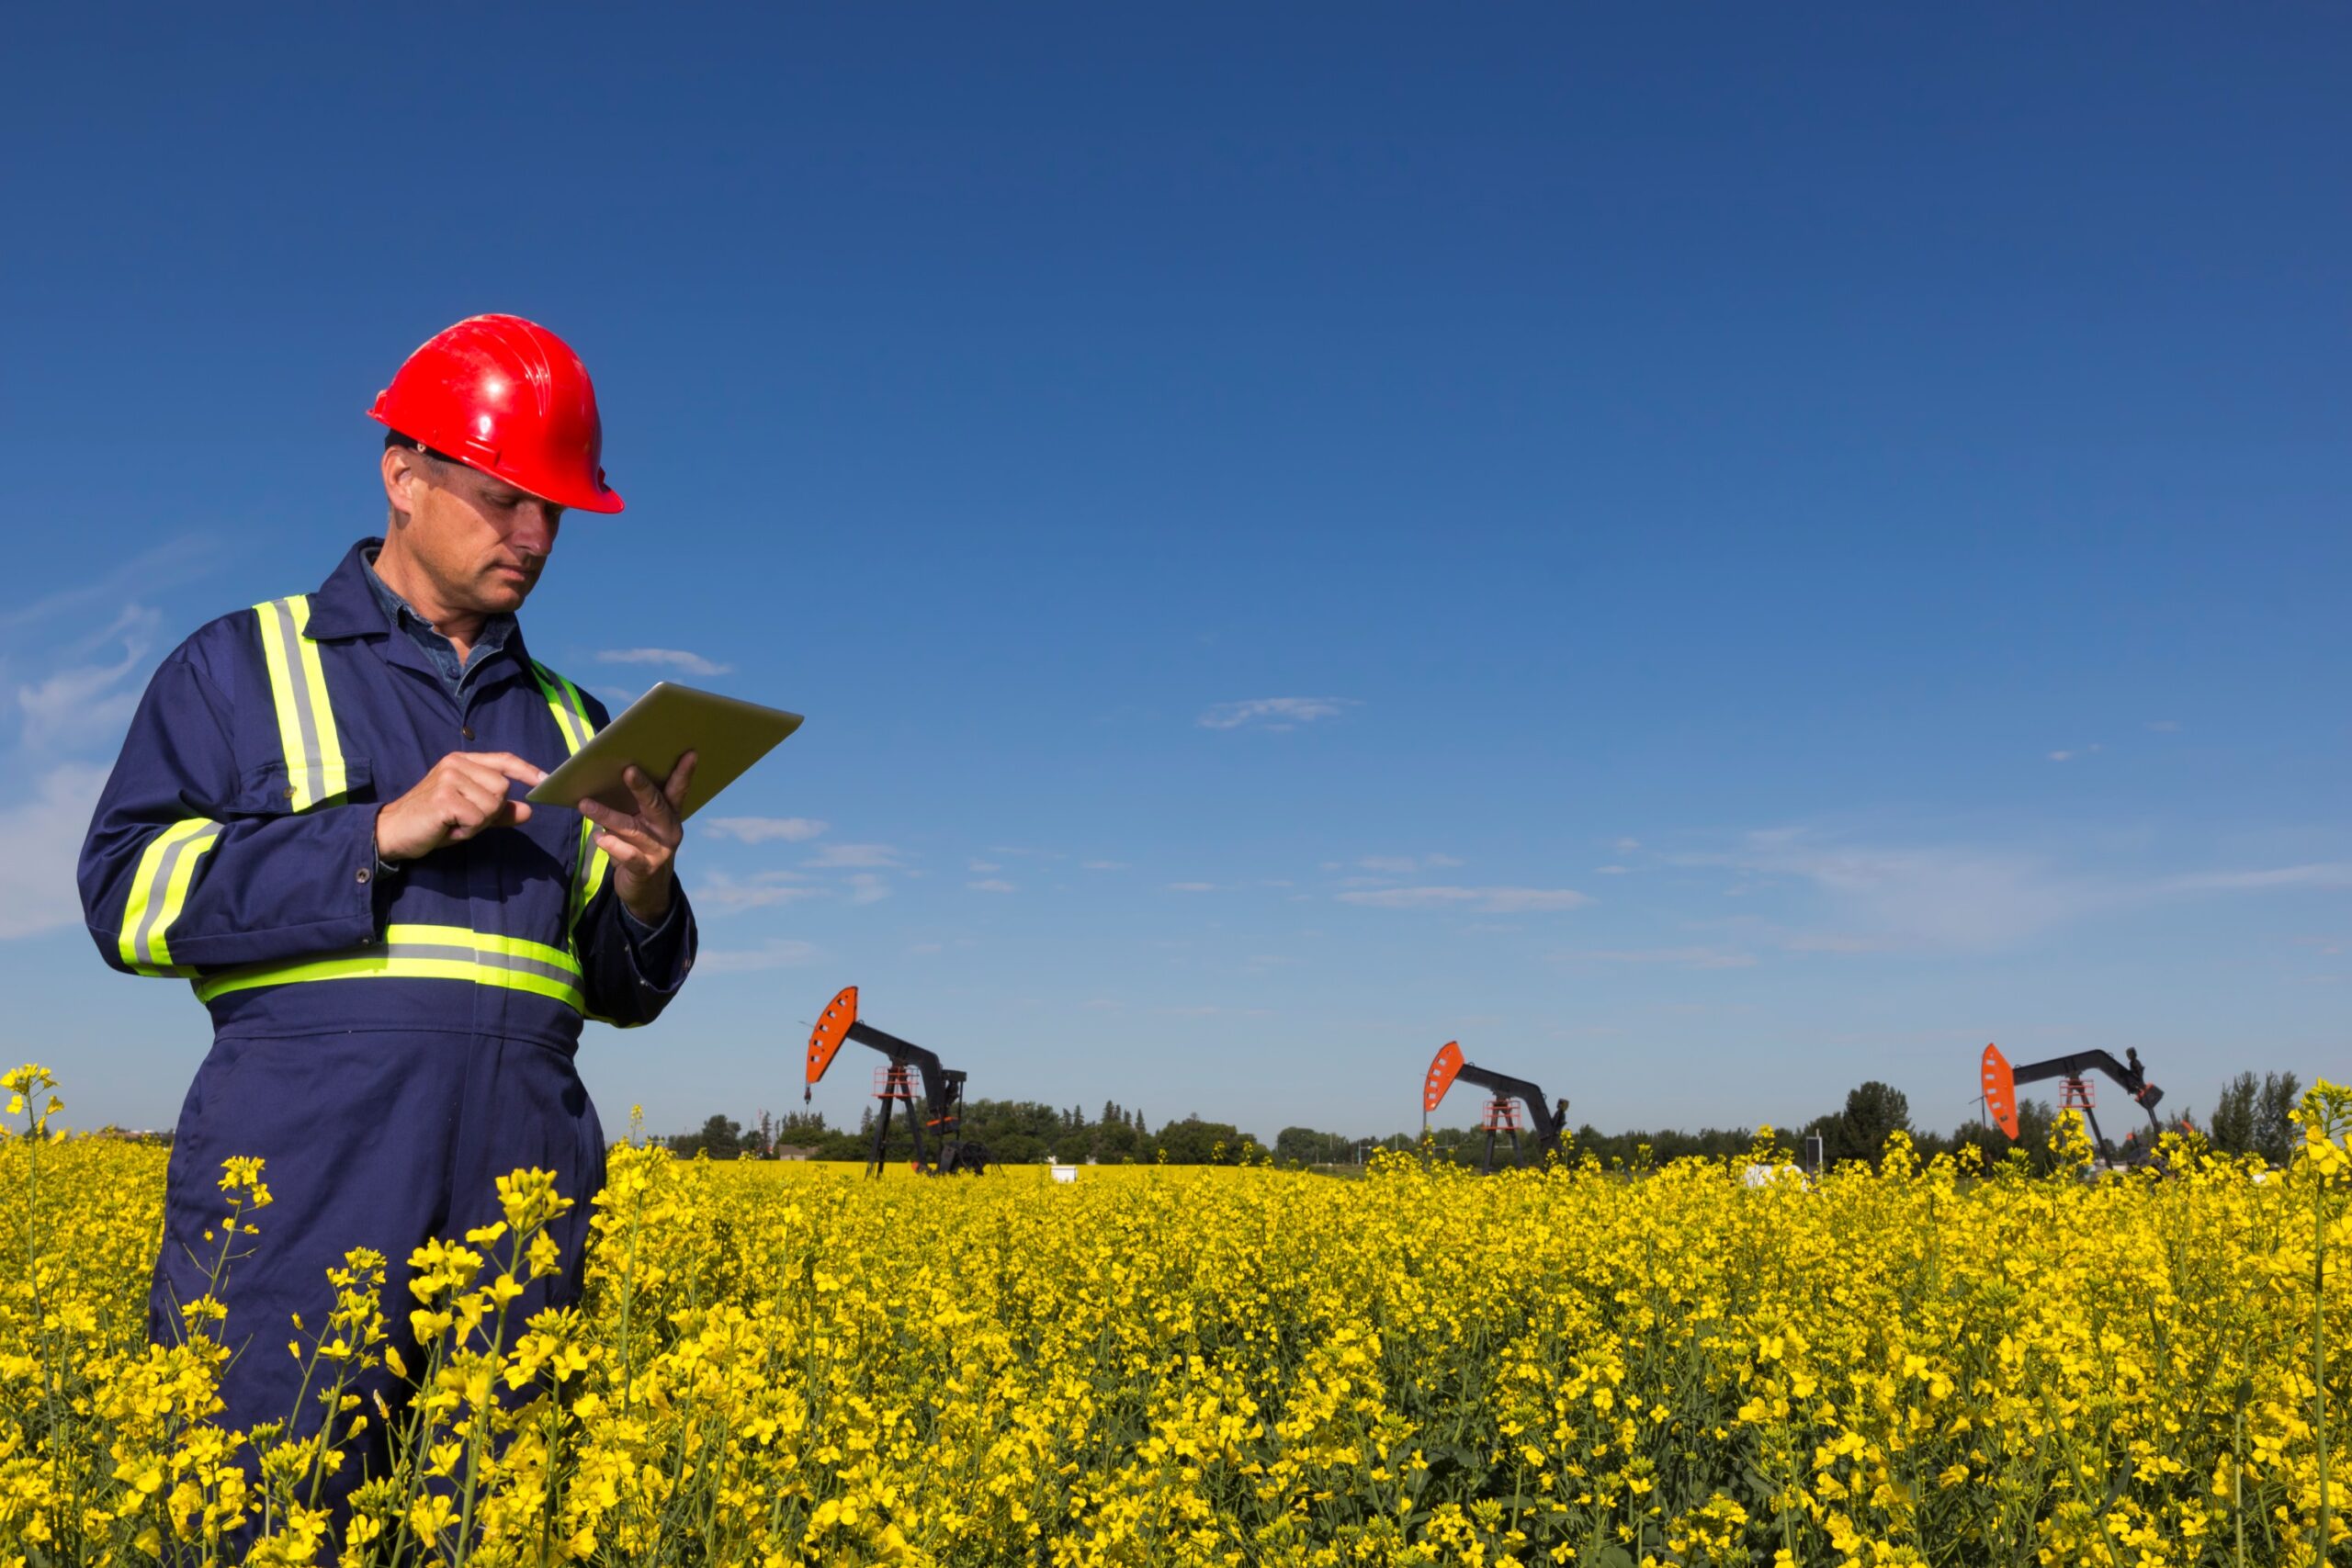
(943,1089)
(1501,1114)
(2001,1082)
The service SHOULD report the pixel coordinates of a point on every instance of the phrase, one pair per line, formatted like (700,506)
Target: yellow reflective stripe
(333,782)
(572,718)
(181,877)
(315,773)
(158,890)
(591,876)
(571,713)
(425,952)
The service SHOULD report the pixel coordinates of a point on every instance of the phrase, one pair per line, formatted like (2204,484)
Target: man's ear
(404,471)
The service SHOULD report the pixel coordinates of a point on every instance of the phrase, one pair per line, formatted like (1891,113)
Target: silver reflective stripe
(298,687)
(569,715)
(159,895)
(483,957)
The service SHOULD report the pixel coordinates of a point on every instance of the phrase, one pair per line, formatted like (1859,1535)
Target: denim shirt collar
(496,630)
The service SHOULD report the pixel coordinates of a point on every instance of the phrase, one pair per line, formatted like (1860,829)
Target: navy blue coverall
(390,1040)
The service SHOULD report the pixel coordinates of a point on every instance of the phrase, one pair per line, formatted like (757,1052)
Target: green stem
(2237,1475)
(2319,1362)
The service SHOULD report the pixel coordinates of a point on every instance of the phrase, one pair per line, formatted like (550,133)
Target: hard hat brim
(605,499)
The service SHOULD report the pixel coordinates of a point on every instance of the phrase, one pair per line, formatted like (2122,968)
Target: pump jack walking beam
(943,1088)
(1546,1120)
(2001,1082)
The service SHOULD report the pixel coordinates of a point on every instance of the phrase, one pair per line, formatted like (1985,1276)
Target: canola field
(782,1364)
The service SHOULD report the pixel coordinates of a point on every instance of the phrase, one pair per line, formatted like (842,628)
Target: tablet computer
(725,734)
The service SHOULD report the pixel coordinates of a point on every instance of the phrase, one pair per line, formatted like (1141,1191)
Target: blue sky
(1709,554)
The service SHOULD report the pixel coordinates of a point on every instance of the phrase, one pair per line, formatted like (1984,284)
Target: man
(315,820)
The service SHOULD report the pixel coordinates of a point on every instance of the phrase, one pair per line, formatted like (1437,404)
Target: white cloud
(863,856)
(2320,873)
(720,891)
(677,659)
(865,887)
(1885,898)
(776,953)
(1609,870)
(1102,865)
(84,704)
(1273,712)
(2091,749)
(760,829)
(984,865)
(40,840)
(176,560)
(1933,898)
(992,884)
(1626,846)
(2165,726)
(1676,957)
(1405,865)
(1485,900)
(1831,941)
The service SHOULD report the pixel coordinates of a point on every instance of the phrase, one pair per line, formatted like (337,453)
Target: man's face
(481,542)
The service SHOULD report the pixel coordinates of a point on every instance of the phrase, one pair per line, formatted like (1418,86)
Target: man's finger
(492,781)
(478,797)
(505,763)
(674,792)
(619,825)
(604,816)
(632,855)
(650,806)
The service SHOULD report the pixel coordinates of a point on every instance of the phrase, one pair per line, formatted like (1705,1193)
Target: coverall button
(466,731)
(364,873)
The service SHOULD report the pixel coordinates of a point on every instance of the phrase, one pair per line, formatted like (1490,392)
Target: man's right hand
(461,798)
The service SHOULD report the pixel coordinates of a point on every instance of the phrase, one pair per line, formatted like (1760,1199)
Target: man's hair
(393,439)
(411,443)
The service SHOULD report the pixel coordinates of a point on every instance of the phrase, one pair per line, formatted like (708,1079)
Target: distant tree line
(1015,1131)
(2250,1118)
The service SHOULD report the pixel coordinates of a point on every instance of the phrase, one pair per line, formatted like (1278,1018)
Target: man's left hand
(643,843)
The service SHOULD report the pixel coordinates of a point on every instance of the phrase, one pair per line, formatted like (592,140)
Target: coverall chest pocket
(274,790)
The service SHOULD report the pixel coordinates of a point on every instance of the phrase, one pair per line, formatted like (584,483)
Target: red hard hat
(510,397)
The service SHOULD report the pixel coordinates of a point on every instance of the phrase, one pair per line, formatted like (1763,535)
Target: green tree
(1195,1142)
(721,1138)
(2274,1134)
(2230,1129)
(1304,1146)
(1874,1112)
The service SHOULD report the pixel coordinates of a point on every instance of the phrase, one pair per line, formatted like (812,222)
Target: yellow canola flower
(786,1364)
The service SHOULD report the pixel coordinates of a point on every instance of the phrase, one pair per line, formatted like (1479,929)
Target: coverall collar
(345,605)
